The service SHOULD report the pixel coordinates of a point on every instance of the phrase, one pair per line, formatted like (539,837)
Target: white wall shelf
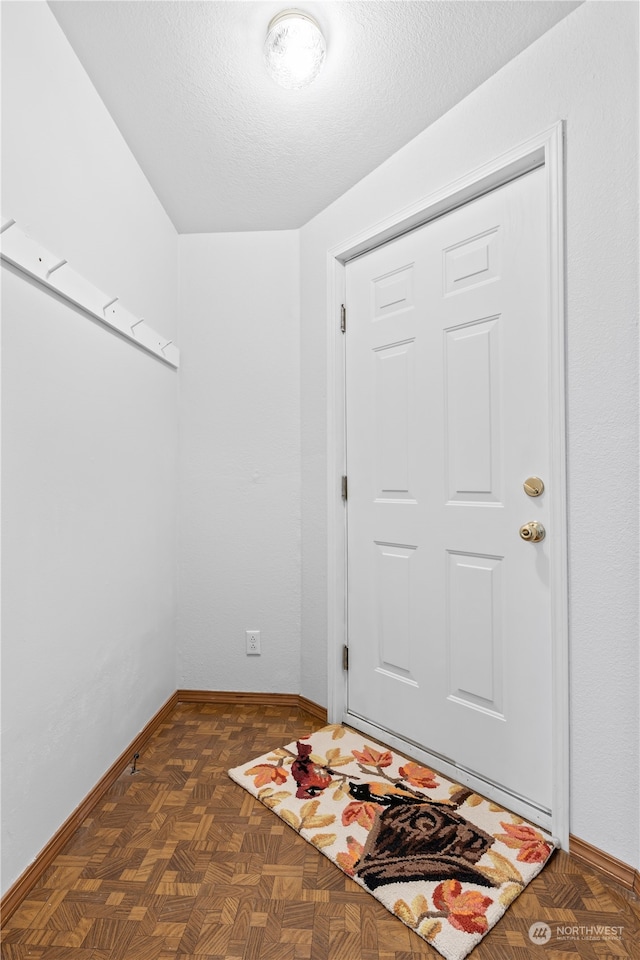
(54,273)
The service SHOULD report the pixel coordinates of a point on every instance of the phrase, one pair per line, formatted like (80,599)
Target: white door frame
(544,150)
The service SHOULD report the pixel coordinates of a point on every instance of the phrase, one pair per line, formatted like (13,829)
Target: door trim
(544,150)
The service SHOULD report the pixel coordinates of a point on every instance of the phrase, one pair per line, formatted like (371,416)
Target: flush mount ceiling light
(294,50)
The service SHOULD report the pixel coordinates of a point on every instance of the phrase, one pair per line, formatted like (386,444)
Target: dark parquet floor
(177,862)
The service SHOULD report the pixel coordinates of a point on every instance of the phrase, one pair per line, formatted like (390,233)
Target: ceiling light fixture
(294,50)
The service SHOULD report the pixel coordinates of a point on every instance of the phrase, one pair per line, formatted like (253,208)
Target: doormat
(444,860)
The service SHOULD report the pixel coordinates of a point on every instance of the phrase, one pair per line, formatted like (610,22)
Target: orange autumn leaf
(532,846)
(372,758)
(445,893)
(360,812)
(265,773)
(466,909)
(348,860)
(418,776)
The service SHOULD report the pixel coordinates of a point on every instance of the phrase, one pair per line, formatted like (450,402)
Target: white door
(449,611)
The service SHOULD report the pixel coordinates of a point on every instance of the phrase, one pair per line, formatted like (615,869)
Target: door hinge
(343,318)
(345,657)
(344,488)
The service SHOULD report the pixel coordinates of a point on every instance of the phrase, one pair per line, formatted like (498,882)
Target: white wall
(89,447)
(239,488)
(585,71)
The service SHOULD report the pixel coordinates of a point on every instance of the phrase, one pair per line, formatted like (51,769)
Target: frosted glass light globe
(294,50)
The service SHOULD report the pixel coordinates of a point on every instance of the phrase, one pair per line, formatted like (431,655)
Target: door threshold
(511,802)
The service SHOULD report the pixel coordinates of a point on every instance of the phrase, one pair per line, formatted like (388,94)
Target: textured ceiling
(225,148)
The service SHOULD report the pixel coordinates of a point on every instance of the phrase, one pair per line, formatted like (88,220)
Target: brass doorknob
(532,531)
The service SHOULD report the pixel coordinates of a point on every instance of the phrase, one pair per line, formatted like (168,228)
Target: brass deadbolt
(533,486)
(532,531)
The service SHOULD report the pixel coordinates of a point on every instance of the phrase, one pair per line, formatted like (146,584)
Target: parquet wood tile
(177,862)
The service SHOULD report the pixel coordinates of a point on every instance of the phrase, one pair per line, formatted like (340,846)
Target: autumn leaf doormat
(444,860)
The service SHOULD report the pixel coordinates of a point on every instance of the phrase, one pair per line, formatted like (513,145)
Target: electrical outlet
(253,642)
